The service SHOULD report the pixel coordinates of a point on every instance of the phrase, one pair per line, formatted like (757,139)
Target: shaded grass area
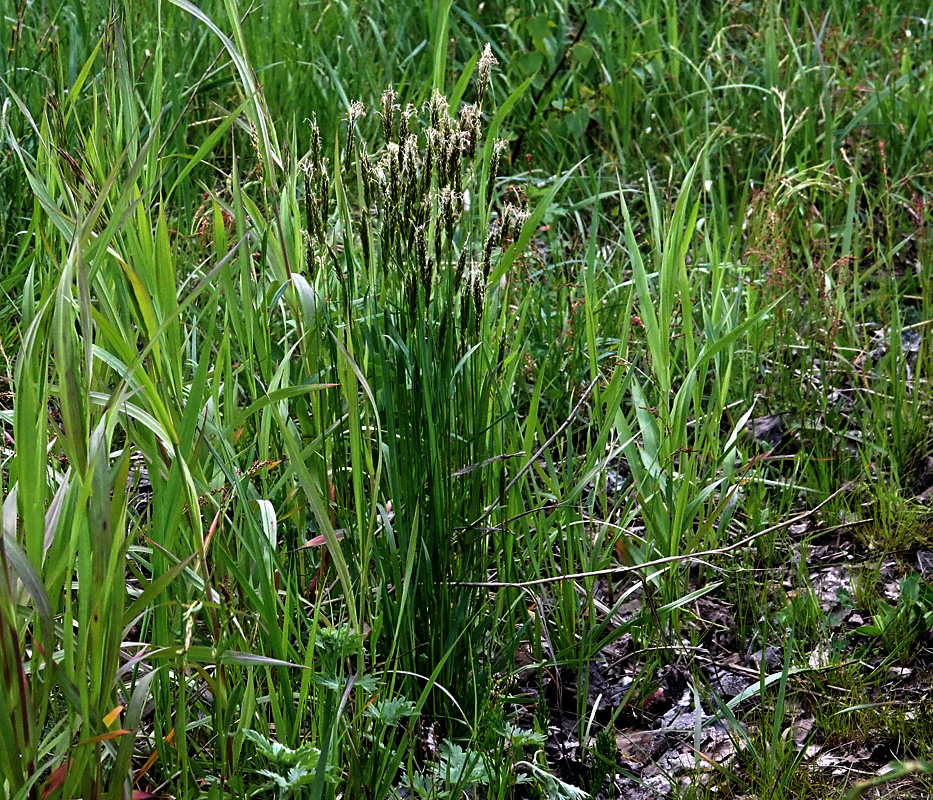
(425,399)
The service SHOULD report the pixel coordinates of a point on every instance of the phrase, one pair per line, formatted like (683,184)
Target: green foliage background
(316,414)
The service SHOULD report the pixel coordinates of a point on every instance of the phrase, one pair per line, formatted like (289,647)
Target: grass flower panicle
(487,62)
(389,107)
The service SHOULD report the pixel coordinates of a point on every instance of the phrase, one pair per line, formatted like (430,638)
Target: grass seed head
(461,265)
(478,290)
(421,247)
(389,107)
(484,72)
(307,171)
(354,112)
(487,253)
(404,123)
(309,252)
(448,211)
(254,141)
(428,164)
(312,202)
(425,264)
(497,150)
(513,218)
(314,156)
(411,164)
(442,333)
(370,181)
(365,244)
(453,152)
(324,189)
(393,175)
(437,107)
(470,128)
(417,212)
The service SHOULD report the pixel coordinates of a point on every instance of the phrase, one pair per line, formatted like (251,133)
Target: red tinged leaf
(104,737)
(56,779)
(319,541)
